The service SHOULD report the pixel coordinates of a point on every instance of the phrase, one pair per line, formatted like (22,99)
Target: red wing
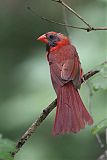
(65,65)
(71,69)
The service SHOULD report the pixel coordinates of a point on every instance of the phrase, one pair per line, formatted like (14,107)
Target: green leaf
(101,81)
(6,147)
(99,127)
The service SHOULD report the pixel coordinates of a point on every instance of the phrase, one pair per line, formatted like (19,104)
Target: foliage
(99,127)
(6,147)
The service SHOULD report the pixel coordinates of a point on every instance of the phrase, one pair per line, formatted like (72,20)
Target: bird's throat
(56,45)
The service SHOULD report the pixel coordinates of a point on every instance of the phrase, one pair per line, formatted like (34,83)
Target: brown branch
(52,21)
(67,25)
(81,18)
(99,28)
(65,21)
(43,115)
(71,10)
(34,126)
(63,24)
(88,29)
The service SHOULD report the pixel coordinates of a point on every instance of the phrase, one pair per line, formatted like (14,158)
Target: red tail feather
(71,114)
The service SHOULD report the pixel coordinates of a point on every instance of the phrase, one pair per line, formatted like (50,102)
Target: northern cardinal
(66,75)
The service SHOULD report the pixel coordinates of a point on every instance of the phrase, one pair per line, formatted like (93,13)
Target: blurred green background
(25,85)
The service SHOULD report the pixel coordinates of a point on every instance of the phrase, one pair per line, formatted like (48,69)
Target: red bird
(66,75)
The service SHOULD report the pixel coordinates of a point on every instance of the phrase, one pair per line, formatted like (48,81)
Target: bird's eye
(51,36)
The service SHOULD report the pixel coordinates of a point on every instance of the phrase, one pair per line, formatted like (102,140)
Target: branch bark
(42,117)
(74,12)
(76,27)
(88,28)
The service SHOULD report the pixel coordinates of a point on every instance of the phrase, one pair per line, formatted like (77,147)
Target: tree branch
(43,115)
(63,24)
(52,21)
(88,29)
(71,10)
(81,28)
(71,26)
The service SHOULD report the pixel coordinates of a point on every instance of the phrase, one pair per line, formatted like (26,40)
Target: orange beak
(43,38)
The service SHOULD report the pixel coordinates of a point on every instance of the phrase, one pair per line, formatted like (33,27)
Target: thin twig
(90,28)
(43,115)
(34,126)
(99,28)
(66,25)
(71,26)
(99,140)
(71,10)
(52,21)
(65,21)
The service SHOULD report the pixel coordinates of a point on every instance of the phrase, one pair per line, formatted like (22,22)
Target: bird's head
(54,40)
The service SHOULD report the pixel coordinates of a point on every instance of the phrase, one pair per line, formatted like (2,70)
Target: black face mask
(52,41)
